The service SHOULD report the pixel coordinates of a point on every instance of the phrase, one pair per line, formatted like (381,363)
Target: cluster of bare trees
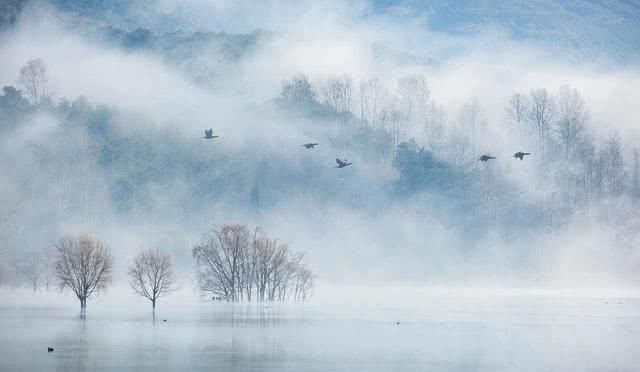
(575,168)
(562,117)
(236,263)
(586,169)
(84,266)
(33,269)
(393,112)
(400,110)
(233,264)
(337,93)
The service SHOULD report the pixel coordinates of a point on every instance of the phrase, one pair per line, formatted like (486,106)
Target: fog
(488,220)
(367,233)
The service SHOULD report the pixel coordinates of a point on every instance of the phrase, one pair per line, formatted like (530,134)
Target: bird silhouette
(310,145)
(486,157)
(342,163)
(49,349)
(208,134)
(520,155)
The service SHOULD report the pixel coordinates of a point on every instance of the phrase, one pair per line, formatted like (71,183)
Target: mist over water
(507,264)
(444,330)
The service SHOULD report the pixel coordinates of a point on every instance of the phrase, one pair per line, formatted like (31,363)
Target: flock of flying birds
(518,155)
(208,134)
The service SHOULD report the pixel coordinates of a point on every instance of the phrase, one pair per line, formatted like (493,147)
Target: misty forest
(295,186)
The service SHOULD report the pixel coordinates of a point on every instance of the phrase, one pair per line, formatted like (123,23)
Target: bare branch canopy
(83,265)
(151,275)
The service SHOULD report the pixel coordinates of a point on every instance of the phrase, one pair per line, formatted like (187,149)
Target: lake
(439,331)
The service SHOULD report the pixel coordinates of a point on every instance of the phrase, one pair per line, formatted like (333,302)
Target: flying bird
(208,134)
(49,349)
(486,157)
(520,155)
(310,145)
(342,163)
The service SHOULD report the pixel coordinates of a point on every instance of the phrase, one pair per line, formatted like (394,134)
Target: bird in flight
(520,155)
(310,145)
(342,163)
(486,157)
(208,134)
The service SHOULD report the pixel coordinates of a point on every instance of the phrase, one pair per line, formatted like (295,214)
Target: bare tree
(414,94)
(541,113)
(571,118)
(34,80)
(31,267)
(397,127)
(337,93)
(83,265)
(151,275)
(219,259)
(413,102)
(303,284)
(264,250)
(614,174)
(517,111)
(371,92)
(587,166)
(279,267)
(473,123)
(434,128)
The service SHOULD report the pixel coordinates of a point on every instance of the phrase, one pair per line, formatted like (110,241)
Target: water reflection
(452,335)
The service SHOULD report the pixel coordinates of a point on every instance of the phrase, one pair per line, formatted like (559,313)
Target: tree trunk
(153,303)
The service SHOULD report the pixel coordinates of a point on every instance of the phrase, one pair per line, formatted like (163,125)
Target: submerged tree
(151,275)
(236,264)
(83,265)
(32,268)
(219,260)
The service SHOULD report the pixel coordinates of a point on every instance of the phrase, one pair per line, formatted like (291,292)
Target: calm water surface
(436,334)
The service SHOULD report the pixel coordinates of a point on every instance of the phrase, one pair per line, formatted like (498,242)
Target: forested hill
(417,202)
